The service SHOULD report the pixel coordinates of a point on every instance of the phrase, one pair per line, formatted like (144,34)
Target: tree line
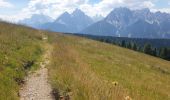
(161,52)
(154,47)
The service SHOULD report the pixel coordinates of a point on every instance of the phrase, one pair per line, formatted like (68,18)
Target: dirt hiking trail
(36,85)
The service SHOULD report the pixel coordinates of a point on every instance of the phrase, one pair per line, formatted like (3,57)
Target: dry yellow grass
(84,69)
(73,76)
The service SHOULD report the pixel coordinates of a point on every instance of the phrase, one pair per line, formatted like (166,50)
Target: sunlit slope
(84,69)
(20,50)
(81,69)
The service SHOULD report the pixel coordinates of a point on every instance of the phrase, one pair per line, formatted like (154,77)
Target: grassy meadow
(80,69)
(20,50)
(84,69)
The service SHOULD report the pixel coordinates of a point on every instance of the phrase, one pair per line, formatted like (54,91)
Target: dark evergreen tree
(134,46)
(107,41)
(147,49)
(139,48)
(163,53)
(154,52)
(129,45)
(123,44)
(168,54)
(102,40)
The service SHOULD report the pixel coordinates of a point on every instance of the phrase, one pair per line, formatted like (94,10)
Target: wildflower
(128,98)
(115,83)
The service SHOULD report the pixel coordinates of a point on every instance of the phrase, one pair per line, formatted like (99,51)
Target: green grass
(81,69)
(19,45)
(84,69)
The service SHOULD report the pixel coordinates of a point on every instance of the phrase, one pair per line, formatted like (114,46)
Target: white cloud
(4,4)
(148,4)
(54,8)
(105,6)
(166,10)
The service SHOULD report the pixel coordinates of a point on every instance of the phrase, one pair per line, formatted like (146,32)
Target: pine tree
(164,53)
(129,45)
(134,46)
(154,52)
(168,54)
(107,41)
(123,43)
(148,49)
(102,40)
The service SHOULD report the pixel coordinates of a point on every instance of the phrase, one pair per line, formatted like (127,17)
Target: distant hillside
(158,43)
(123,22)
(83,69)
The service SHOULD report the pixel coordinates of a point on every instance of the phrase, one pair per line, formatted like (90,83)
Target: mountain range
(70,23)
(66,22)
(121,22)
(36,20)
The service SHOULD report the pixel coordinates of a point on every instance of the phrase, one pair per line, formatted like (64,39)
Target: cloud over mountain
(54,8)
(123,22)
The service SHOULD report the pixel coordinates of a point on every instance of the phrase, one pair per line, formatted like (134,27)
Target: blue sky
(163,4)
(17,5)
(16,10)
(94,1)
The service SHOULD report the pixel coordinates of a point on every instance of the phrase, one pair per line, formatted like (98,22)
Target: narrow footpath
(36,85)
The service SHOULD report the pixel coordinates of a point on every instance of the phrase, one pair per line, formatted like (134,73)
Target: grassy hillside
(81,69)
(20,49)
(84,69)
